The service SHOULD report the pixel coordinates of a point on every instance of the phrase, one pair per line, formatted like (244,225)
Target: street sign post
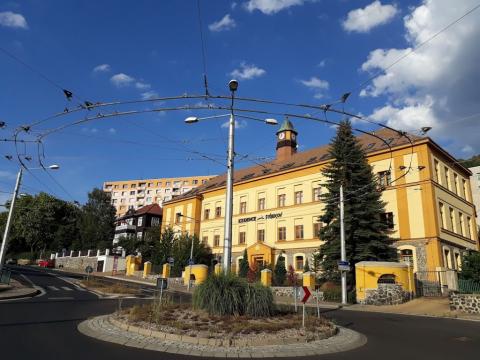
(304,294)
(343,266)
(171,260)
(162,284)
(88,270)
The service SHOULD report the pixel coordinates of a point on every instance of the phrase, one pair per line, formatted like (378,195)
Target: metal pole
(343,254)
(227,243)
(190,267)
(3,249)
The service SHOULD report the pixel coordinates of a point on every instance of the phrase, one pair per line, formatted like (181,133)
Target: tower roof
(287,125)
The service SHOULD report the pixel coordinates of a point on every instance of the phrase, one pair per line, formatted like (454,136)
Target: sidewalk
(16,291)
(434,307)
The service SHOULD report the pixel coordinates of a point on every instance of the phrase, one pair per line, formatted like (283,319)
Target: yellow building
(276,204)
(133,194)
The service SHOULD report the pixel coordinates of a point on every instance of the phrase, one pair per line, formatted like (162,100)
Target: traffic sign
(171,260)
(89,269)
(191,262)
(306,294)
(162,283)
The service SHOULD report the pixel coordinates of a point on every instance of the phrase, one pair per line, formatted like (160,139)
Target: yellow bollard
(218,269)
(130,261)
(309,280)
(166,270)
(266,277)
(199,274)
(147,269)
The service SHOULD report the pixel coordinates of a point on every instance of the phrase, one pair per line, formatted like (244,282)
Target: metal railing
(468,286)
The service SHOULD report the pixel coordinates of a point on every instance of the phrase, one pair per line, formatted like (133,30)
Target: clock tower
(286,141)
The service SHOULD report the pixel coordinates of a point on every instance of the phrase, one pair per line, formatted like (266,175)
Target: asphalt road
(45,327)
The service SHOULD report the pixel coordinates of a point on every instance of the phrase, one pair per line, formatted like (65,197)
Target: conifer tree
(366,235)
(306,268)
(280,271)
(243,266)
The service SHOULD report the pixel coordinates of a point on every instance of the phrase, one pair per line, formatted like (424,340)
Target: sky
(295,51)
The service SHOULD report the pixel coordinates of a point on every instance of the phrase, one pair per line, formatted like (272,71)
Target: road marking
(79,288)
(51,287)
(66,288)
(61,298)
(39,288)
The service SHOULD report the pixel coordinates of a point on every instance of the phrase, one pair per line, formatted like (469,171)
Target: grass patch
(112,288)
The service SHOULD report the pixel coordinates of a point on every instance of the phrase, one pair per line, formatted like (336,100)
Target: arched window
(386,279)
(299,263)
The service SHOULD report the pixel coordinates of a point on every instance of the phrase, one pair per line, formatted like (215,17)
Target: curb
(31,294)
(106,328)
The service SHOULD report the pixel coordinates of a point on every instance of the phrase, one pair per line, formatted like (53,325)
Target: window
(159,183)
(455,182)
(114,201)
(384,178)
(442,215)
(458,261)
(140,221)
(462,224)
(243,207)
(452,220)
(185,182)
(168,191)
(261,235)
(150,184)
(447,259)
(316,229)
(298,197)
(298,232)
(122,201)
(125,186)
(470,231)
(114,193)
(168,183)
(216,240)
(195,182)
(437,170)
(387,218)
(204,181)
(465,190)
(159,192)
(447,179)
(206,214)
(148,199)
(386,279)
(316,194)
(205,239)
(133,186)
(132,192)
(299,263)
(261,204)
(282,233)
(241,237)
(218,211)
(176,183)
(131,201)
(115,186)
(155,221)
(178,218)
(124,193)
(281,200)
(406,256)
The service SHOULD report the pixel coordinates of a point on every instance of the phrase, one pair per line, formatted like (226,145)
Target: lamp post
(227,242)
(3,248)
(190,262)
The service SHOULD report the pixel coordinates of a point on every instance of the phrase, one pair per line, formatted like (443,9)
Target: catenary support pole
(343,255)
(227,241)
(3,249)
(190,262)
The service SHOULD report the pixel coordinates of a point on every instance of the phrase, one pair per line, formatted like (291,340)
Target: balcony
(125,228)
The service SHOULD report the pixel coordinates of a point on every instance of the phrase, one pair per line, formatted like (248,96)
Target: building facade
(133,194)
(276,204)
(475,182)
(137,222)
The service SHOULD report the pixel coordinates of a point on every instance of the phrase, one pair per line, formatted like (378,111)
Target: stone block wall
(386,294)
(469,303)
(76,263)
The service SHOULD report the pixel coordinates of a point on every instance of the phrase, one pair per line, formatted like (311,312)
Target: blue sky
(298,51)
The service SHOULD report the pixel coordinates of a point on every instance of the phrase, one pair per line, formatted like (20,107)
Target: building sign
(261,217)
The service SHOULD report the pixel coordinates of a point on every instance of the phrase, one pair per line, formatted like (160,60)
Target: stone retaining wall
(78,263)
(386,294)
(469,303)
(287,291)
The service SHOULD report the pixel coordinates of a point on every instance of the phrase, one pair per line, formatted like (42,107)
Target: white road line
(61,298)
(79,288)
(51,287)
(66,288)
(39,288)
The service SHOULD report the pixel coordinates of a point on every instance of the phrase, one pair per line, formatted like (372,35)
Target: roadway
(45,327)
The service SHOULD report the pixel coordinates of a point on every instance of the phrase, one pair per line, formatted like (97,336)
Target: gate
(430,283)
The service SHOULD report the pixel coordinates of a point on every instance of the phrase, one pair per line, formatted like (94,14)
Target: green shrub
(258,301)
(279,272)
(228,294)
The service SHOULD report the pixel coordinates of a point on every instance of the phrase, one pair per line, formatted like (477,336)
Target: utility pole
(343,255)
(190,263)
(3,249)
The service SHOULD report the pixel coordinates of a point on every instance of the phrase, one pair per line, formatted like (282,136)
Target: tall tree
(181,252)
(280,271)
(366,235)
(97,223)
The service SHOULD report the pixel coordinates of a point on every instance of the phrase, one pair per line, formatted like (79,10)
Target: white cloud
(467,149)
(322,63)
(233,5)
(247,72)
(101,68)
(316,83)
(112,131)
(7,175)
(436,85)
(271,6)
(149,95)
(225,23)
(373,15)
(142,85)
(13,20)
(238,124)
(121,80)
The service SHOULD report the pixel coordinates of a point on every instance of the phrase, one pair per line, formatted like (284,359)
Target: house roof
(153,209)
(310,157)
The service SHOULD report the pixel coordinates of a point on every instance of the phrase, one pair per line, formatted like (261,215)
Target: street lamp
(227,242)
(3,249)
